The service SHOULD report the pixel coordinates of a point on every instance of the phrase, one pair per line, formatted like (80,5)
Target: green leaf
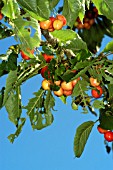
(18,131)
(35,102)
(81,137)
(80,89)
(63,99)
(105,7)
(76,44)
(106,119)
(53,3)
(10,9)
(13,106)
(108,47)
(64,35)
(49,101)
(11,79)
(38,7)
(74,106)
(110,90)
(71,9)
(70,38)
(42,120)
(98,104)
(12,61)
(26,38)
(87,3)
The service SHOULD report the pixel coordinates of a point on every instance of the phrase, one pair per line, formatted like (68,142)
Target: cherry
(67,86)
(25,56)
(57,24)
(45,24)
(108,136)
(61,18)
(44,71)
(74,82)
(67,92)
(96,93)
(1,16)
(46,84)
(47,57)
(59,92)
(94,82)
(100,130)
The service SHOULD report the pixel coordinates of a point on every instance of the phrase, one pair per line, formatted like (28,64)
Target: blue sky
(52,147)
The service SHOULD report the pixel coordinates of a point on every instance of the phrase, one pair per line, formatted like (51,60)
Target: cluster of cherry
(53,23)
(108,135)
(97,91)
(89,19)
(65,88)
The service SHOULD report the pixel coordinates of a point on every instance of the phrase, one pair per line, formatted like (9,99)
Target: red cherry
(100,130)
(44,71)
(67,92)
(47,57)
(1,16)
(24,56)
(52,19)
(108,136)
(96,93)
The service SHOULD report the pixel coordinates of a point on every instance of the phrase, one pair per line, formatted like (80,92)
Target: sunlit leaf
(10,9)
(38,7)
(108,47)
(22,34)
(53,3)
(71,10)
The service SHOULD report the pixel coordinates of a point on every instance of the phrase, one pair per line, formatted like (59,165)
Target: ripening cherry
(67,92)
(45,24)
(52,19)
(67,86)
(1,16)
(101,130)
(46,84)
(47,57)
(57,82)
(96,93)
(59,92)
(25,56)
(57,24)
(94,82)
(108,136)
(86,25)
(74,82)
(51,29)
(91,21)
(61,18)
(45,71)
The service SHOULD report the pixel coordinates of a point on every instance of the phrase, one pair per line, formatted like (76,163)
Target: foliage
(76,55)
